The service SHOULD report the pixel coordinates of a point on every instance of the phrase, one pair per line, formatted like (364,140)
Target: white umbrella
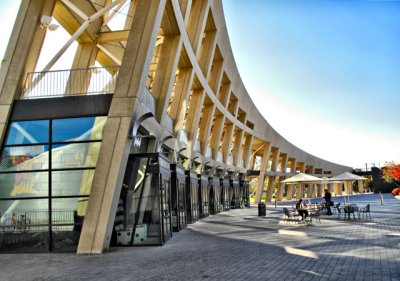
(302,178)
(346,176)
(349,177)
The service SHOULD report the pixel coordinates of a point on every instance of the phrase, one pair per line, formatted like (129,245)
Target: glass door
(144,211)
(182,205)
(165,192)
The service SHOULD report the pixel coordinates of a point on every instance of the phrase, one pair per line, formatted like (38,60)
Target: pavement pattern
(240,245)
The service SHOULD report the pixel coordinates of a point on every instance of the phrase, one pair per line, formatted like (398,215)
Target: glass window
(78,129)
(24,158)
(33,184)
(26,132)
(24,223)
(67,210)
(67,219)
(67,183)
(25,188)
(75,155)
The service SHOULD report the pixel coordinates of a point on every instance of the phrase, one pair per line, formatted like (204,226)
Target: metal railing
(70,82)
(39,220)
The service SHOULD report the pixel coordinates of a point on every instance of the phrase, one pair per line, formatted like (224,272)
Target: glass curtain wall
(226,193)
(178,198)
(144,211)
(192,199)
(203,196)
(46,173)
(235,195)
(215,195)
(245,193)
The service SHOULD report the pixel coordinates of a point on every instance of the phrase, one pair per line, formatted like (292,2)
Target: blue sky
(327,73)
(327,68)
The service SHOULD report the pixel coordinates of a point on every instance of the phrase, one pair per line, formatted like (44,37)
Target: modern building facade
(150,128)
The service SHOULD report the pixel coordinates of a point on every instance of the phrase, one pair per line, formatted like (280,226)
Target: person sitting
(301,208)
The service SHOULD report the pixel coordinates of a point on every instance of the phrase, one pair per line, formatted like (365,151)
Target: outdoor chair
(335,207)
(316,214)
(291,216)
(347,211)
(322,208)
(365,211)
(340,211)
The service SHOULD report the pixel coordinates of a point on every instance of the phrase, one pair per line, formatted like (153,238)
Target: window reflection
(25,170)
(75,155)
(78,129)
(24,225)
(26,132)
(16,185)
(68,183)
(24,158)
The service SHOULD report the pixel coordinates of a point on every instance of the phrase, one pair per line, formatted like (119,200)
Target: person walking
(328,197)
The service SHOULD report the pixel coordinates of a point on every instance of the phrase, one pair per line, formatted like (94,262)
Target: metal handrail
(70,82)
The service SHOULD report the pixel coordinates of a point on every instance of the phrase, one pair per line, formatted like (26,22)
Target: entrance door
(143,215)
(165,192)
(212,201)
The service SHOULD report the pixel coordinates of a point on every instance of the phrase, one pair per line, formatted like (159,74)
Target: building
(87,151)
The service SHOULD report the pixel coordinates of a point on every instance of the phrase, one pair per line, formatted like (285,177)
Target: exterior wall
(201,107)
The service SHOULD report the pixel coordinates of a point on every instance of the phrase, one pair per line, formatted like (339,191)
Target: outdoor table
(355,207)
(351,209)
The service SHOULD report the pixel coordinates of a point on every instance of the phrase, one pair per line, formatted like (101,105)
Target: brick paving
(239,245)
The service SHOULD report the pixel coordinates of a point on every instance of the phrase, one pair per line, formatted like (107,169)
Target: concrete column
(339,188)
(330,187)
(165,74)
(275,160)
(299,193)
(197,22)
(320,189)
(205,126)
(346,188)
(270,188)
(237,146)
(360,186)
(247,152)
(289,192)
(284,162)
(261,177)
(293,167)
(226,141)
(281,188)
(310,192)
(114,152)
(350,187)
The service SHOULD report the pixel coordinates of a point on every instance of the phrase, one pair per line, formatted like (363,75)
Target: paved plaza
(239,245)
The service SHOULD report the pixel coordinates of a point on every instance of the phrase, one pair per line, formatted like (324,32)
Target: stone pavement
(239,245)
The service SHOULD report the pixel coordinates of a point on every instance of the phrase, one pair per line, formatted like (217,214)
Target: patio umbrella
(302,178)
(326,181)
(349,178)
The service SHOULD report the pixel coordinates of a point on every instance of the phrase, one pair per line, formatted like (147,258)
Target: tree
(391,172)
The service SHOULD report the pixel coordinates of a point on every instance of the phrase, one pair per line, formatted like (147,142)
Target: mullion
(50,206)
(44,197)
(26,144)
(47,170)
(54,143)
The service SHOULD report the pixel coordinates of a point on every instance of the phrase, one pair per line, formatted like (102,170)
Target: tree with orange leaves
(391,172)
